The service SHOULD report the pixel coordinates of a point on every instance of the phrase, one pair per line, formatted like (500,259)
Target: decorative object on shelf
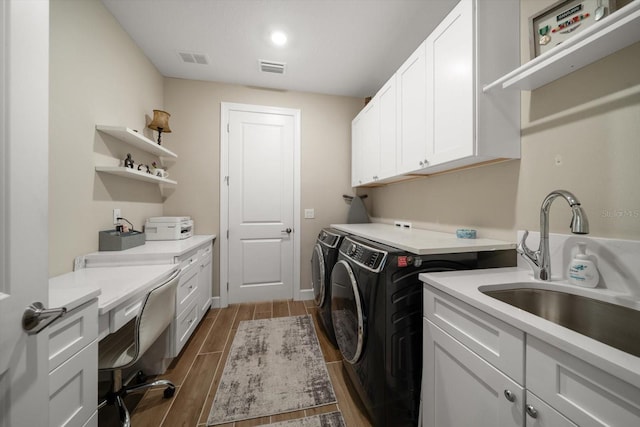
(160,123)
(128,162)
(465,233)
(162,173)
(142,167)
(560,21)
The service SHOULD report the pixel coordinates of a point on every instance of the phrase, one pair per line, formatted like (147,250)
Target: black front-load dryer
(325,253)
(376,308)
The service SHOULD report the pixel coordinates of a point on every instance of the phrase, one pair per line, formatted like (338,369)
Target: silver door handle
(286,230)
(36,317)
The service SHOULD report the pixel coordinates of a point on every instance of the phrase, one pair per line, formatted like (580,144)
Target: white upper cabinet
(464,125)
(374,138)
(411,81)
(388,130)
(450,100)
(444,120)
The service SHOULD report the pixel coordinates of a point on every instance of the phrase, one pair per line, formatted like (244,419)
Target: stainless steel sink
(608,323)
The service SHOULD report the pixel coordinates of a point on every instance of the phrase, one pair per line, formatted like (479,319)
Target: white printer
(168,228)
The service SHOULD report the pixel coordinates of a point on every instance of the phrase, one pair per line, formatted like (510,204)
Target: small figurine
(148,170)
(140,167)
(128,162)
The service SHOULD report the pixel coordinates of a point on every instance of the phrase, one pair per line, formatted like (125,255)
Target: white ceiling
(338,47)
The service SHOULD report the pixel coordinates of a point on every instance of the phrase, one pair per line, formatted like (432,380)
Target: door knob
(35,317)
(287,230)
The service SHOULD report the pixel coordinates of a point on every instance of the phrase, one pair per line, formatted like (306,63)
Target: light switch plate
(309,213)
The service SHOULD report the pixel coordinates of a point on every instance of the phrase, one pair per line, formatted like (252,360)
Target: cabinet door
(204,278)
(370,148)
(356,144)
(386,99)
(462,389)
(450,87)
(411,115)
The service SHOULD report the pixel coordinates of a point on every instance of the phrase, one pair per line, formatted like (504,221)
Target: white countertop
(464,285)
(152,252)
(112,285)
(421,242)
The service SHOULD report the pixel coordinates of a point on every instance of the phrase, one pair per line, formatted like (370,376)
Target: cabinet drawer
(185,325)
(205,252)
(187,289)
(547,416)
(73,393)
(188,260)
(72,332)
(585,394)
(500,344)
(124,313)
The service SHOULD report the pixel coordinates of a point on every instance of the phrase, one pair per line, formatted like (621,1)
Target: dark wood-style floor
(197,371)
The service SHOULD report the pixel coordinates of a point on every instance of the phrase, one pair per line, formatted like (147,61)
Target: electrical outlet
(309,213)
(403,224)
(78,263)
(116,215)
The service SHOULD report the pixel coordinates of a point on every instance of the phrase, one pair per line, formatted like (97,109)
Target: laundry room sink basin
(611,324)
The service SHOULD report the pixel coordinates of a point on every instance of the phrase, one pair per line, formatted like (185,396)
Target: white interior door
(24,69)
(261,204)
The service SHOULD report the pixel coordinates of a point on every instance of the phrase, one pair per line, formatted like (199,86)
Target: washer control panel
(371,258)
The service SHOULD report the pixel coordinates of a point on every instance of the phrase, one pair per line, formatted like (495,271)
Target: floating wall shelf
(611,34)
(165,184)
(137,140)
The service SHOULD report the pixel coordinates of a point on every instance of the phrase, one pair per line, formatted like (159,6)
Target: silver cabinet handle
(510,396)
(533,412)
(287,230)
(35,317)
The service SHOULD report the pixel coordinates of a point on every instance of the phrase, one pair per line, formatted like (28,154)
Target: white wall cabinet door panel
(370,148)
(411,83)
(387,100)
(356,149)
(450,87)
(462,389)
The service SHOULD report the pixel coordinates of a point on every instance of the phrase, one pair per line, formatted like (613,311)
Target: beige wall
(325,155)
(580,133)
(97,76)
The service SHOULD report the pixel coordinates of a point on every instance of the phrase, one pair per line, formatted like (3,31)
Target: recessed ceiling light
(279,38)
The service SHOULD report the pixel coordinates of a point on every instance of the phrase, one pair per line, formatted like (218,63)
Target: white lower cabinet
(190,304)
(478,371)
(73,365)
(462,389)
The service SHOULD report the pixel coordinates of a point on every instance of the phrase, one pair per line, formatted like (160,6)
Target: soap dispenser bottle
(583,271)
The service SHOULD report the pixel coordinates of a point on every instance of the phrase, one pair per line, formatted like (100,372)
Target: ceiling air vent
(272,67)
(194,58)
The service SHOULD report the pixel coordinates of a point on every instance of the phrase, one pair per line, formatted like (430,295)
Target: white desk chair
(124,347)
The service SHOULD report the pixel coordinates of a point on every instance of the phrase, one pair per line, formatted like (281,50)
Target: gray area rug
(331,419)
(274,366)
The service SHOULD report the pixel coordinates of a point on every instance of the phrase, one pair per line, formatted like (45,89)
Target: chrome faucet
(540,260)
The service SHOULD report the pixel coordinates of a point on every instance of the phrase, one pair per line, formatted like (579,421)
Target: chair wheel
(141,378)
(169,392)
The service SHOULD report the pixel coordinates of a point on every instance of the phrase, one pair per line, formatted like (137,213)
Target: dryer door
(346,312)
(317,275)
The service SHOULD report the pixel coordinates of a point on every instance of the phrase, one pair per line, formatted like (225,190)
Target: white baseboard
(306,294)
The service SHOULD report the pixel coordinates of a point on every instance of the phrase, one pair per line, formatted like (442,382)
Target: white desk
(120,289)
